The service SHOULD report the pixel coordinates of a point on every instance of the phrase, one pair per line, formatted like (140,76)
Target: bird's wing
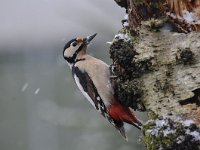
(87,87)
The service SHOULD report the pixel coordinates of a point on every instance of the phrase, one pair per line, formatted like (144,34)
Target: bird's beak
(88,39)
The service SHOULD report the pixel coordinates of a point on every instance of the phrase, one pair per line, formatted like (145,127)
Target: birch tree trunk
(157,70)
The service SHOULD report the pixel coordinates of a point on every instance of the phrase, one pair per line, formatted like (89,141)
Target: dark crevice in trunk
(193,100)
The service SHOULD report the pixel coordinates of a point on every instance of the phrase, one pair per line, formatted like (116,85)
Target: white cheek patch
(69,52)
(82,91)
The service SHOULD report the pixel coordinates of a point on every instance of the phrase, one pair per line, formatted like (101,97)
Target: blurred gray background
(40,106)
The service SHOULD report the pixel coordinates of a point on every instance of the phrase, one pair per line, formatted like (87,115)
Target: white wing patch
(82,91)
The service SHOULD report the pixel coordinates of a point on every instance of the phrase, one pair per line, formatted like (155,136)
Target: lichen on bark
(158,71)
(171,134)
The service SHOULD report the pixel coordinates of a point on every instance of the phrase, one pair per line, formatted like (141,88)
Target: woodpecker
(92,77)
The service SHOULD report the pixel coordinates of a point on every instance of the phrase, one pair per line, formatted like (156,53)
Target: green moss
(127,69)
(140,2)
(129,93)
(130,33)
(170,134)
(152,115)
(154,24)
(127,90)
(123,54)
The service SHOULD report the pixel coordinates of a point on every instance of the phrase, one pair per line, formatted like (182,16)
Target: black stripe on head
(67,45)
(72,59)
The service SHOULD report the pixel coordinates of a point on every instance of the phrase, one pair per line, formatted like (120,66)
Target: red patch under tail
(119,112)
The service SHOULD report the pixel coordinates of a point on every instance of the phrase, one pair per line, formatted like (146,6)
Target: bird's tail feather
(123,133)
(136,122)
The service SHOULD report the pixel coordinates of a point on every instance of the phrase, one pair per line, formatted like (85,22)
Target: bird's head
(75,47)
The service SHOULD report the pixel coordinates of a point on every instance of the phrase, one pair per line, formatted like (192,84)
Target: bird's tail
(133,120)
(137,123)
(119,112)
(123,133)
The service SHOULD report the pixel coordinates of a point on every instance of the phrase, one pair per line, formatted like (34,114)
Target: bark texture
(158,71)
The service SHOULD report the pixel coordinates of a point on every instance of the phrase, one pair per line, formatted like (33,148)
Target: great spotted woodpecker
(92,77)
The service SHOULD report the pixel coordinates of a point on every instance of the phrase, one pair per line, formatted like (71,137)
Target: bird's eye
(74,44)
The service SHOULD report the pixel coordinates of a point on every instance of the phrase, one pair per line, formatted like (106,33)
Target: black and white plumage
(92,77)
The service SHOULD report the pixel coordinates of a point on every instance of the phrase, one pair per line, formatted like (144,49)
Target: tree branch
(158,71)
